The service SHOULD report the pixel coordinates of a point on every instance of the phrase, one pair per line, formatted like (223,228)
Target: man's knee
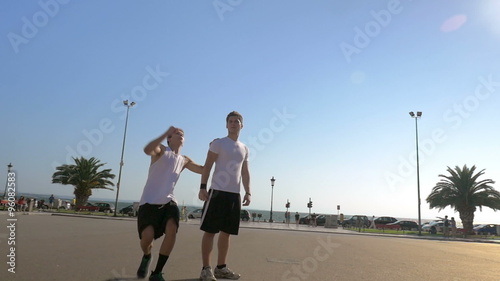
(224,235)
(148,233)
(171,226)
(208,235)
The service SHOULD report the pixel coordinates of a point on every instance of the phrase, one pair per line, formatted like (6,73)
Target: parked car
(105,207)
(357,221)
(245,215)
(304,220)
(486,229)
(64,205)
(476,227)
(320,219)
(403,225)
(88,207)
(434,227)
(381,221)
(393,225)
(196,214)
(424,226)
(129,210)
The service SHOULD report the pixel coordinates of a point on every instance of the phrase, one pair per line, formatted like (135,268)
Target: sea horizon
(278,216)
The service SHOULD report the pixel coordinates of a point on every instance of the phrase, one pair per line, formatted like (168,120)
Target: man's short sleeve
(247,155)
(215,146)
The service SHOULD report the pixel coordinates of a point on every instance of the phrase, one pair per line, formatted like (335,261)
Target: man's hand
(154,148)
(171,130)
(203,195)
(246,199)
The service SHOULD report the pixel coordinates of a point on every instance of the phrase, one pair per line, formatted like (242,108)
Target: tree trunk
(82,195)
(467,217)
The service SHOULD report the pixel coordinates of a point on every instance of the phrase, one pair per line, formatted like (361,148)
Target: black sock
(147,256)
(221,266)
(162,260)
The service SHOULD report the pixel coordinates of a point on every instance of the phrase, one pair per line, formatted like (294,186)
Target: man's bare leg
(206,247)
(147,237)
(166,246)
(170,236)
(223,247)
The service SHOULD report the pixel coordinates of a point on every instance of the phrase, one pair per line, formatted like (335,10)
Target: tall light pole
(7,180)
(416,117)
(272,191)
(287,218)
(128,105)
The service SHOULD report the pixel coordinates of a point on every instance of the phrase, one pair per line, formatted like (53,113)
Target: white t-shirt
(162,177)
(231,155)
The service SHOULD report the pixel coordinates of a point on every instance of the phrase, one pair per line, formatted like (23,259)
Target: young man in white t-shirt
(158,212)
(221,211)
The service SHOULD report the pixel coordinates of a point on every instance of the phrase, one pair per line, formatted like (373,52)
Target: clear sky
(325,88)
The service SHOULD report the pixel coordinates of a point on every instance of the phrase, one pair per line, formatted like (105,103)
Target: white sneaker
(226,273)
(207,275)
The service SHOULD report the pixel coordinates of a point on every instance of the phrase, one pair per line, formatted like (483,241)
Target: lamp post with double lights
(7,180)
(272,191)
(416,117)
(128,105)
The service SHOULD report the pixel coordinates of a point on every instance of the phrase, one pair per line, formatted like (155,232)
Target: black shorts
(157,216)
(221,212)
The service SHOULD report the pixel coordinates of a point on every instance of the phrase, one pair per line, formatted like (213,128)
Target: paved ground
(78,248)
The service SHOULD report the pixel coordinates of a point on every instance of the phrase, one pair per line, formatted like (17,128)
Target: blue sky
(325,89)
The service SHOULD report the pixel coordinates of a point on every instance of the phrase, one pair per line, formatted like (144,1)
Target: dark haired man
(221,210)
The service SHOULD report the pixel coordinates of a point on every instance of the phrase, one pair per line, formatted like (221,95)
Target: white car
(196,214)
(434,227)
(62,204)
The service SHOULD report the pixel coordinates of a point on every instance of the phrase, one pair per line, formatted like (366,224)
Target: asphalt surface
(53,247)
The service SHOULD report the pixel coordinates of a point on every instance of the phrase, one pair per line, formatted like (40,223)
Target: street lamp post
(287,217)
(416,117)
(128,105)
(7,180)
(272,191)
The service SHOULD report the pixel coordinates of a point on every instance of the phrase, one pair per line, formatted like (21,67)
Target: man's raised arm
(153,148)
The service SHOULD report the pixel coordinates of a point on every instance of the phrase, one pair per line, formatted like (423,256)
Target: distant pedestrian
(158,211)
(313,219)
(297,218)
(29,202)
(35,203)
(446,227)
(21,204)
(453,225)
(184,213)
(41,204)
(51,201)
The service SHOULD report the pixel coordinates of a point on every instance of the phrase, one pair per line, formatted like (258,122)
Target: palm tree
(84,176)
(463,192)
